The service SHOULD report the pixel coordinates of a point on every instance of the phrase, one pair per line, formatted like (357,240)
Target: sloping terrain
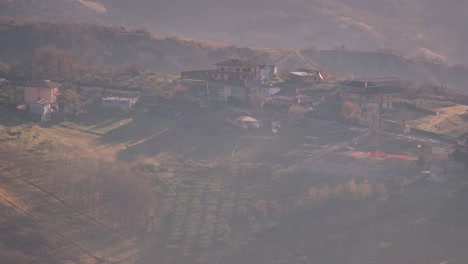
(116,47)
(415,27)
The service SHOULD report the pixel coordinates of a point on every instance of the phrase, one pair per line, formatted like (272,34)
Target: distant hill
(116,46)
(427,28)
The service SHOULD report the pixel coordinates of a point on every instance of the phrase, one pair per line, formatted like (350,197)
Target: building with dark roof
(366,94)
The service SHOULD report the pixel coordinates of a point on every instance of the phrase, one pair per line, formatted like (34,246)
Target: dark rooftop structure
(368,88)
(236,62)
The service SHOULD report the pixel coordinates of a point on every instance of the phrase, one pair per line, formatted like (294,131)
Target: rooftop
(302,74)
(237,62)
(246,119)
(43,84)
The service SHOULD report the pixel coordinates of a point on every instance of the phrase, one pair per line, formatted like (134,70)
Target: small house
(41,90)
(246,122)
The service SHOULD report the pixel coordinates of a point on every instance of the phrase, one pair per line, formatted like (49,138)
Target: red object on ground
(376,154)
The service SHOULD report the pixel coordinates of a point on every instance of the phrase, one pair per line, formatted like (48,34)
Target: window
(237,69)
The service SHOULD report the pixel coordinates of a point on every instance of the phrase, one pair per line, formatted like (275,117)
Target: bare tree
(351,111)
(296,113)
(257,100)
(373,116)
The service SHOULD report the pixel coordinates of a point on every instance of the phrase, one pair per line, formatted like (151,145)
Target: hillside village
(241,117)
(241,100)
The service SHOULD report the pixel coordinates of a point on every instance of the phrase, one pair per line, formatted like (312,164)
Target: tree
(296,113)
(351,111)
(364,190)
(422,161)
(180,92)
(373,116)
(261,206)
(257,100)
(403,116)
(70,103)
(460,155)
(9,95)
(4,68)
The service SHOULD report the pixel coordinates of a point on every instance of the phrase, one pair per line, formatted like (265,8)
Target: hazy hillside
(116,47)
(416,27)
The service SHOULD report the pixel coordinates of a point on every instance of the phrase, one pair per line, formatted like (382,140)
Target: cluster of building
(238,80)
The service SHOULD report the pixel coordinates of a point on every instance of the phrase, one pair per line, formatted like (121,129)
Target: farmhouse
(119,102)
(235,79)
(41,90)
(366,94)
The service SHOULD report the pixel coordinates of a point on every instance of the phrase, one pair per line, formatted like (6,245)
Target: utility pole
(151,231)
(207,97)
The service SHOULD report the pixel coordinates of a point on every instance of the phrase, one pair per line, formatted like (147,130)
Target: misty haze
(262,131)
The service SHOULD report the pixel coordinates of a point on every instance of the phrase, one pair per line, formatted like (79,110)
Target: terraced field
(67,235)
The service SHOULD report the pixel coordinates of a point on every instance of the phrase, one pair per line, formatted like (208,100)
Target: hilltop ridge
(117,46)
(419,28)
